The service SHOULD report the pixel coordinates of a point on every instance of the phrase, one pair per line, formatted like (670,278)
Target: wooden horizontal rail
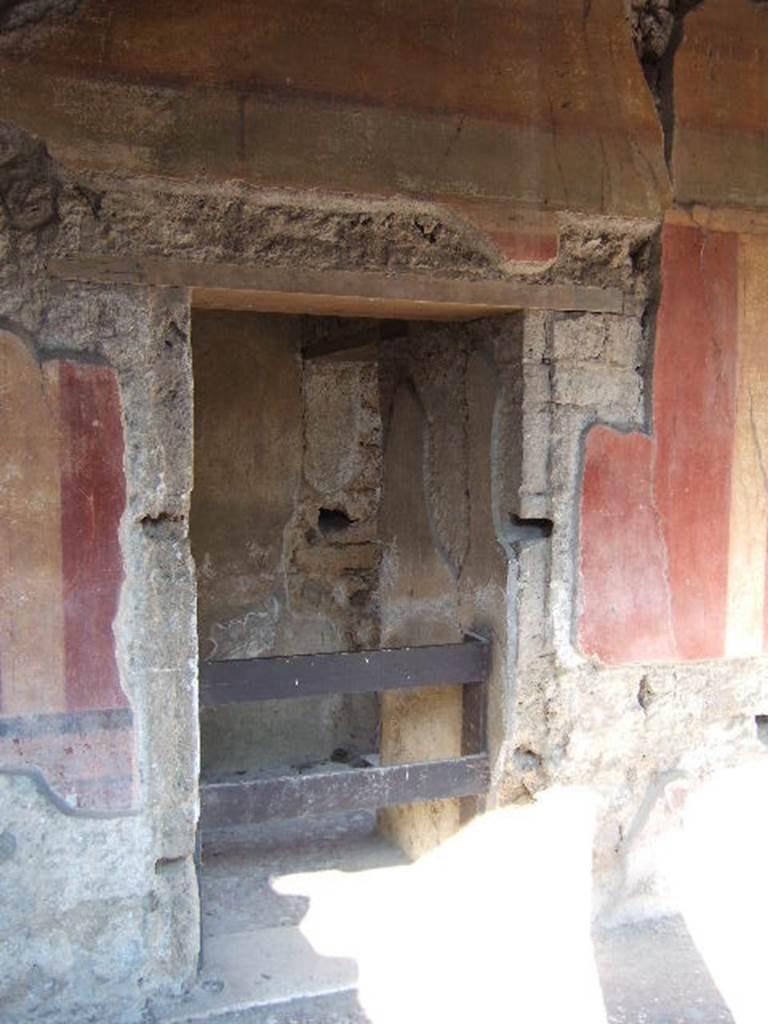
(337,292)
(275,798)
(311,675)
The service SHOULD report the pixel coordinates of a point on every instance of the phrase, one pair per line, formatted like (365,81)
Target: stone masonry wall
(114,924)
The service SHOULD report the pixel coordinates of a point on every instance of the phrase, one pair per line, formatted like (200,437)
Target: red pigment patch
(92,502)
(522,247)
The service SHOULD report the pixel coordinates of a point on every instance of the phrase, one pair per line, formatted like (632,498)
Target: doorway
(346,472)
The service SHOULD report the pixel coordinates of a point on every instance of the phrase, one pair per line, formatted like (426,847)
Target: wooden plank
(474,738)
(339,292)
(309,675)
(473,732)
(256,800)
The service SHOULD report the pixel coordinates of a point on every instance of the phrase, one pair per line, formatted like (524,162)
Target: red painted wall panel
(69,720)
(92,502)
(625,600)
(655,513)
(694,389)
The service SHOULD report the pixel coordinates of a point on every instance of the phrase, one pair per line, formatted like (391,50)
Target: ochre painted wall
(721,95)
(541,105)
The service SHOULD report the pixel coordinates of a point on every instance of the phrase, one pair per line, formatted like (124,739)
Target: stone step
(261,968)
(336,1008)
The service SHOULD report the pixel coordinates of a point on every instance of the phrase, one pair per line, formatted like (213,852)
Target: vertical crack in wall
(658,29)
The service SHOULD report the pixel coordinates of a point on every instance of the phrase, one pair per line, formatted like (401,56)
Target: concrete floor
(259,968)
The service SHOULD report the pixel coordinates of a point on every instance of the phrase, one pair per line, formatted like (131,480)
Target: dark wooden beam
(328,791)
(474,739)
(311,675)
(474,726)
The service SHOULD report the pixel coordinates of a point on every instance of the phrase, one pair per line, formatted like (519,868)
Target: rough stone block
(536,445)
(537,384)
(580,338)
(624,342)
(535,339)
(612,391)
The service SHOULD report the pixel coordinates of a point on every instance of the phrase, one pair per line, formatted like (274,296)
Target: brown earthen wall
(283,529)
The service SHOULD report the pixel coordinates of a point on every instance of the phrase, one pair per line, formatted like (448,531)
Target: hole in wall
(527,760)
(761,725)
(658,28)
(333,520)
(645,694)
(526,530)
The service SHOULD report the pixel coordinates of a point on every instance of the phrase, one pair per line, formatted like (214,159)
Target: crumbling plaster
(15,14)
(144,335)
(622,729)
(99,911)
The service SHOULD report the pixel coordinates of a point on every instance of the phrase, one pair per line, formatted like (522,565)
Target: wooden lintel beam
(311,675)
(339,292)
(328,791)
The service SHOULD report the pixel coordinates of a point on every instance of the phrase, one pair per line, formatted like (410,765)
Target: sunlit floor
(246,921)
(323,923)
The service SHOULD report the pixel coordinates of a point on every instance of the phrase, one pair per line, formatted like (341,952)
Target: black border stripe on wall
(64,723)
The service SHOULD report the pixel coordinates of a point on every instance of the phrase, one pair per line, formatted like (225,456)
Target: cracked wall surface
(626,660)
(545,109)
